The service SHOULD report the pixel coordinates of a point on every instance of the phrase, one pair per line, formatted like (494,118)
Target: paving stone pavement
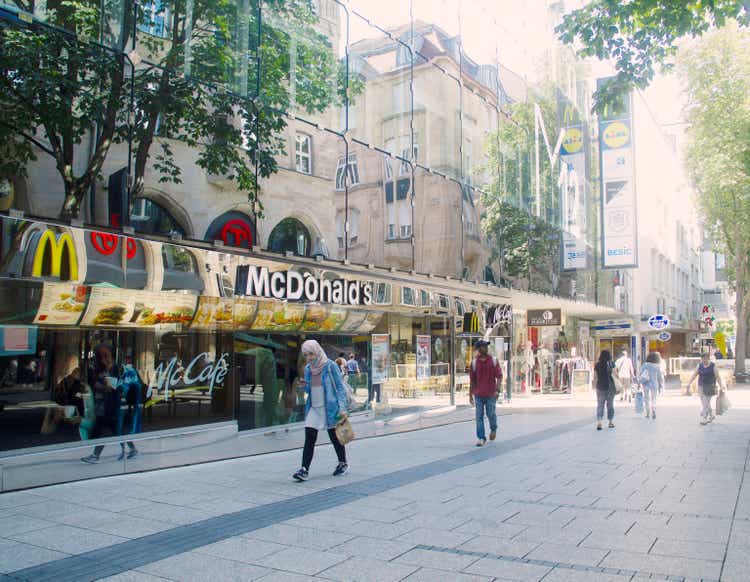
(551,500)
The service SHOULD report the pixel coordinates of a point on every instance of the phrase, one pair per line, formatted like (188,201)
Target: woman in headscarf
(325,405)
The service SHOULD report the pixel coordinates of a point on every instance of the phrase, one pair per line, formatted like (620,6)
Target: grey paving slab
(386,531)
(278,576)
(566,554)
(192,566)
(436,537)
(684,549)
(68,539)
(134,576)
(12,525)
(555,535)
(490,527)
(16,555)
(168,513)
(302,537)
(359,569)
(561,574)
(374,548)
(16,499)
(437,560)
(432,575)
(241,549)
(508,570)
(116,524)
(301,560)
(663,565)
(627,543)
(500,546)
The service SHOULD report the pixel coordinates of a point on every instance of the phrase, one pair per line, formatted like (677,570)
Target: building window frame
(300,155)
(347,167)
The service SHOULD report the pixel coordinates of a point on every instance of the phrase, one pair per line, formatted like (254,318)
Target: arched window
(149,217)
(290,235)
(234,229)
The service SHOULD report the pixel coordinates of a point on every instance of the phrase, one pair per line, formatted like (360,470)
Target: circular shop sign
(658,321)
(664,336)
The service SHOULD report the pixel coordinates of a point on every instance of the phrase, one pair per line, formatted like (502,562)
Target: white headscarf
(313,347)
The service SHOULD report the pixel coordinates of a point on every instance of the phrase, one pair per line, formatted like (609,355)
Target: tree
(208,79)
(716,73)
(642,35)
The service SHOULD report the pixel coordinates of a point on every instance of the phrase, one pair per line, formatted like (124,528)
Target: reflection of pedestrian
(325,406)
(107,401)
(652,382)
(708,376)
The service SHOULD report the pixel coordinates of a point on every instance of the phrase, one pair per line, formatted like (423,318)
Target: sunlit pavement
(551,499)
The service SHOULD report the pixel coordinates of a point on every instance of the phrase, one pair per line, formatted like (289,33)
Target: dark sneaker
(91,459)
(121,456)
(300,475)
(598,426)
(653,414)
(133,453)
(341,468)
(611,424)
(493,435)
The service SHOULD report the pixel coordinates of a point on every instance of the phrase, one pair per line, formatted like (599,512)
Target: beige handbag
(344,431)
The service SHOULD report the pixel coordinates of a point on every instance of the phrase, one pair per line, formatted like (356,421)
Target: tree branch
(29,138)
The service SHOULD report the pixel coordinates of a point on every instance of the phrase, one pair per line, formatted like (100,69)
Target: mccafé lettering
(169,374)
(293,286)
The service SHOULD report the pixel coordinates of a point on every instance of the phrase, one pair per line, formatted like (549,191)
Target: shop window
(408,296)
(425,300)
(290,235)
(303,153)
(234,229)
(383,294)
(460,308)
(149,217)
(442,303)
(340,234)
(350,170)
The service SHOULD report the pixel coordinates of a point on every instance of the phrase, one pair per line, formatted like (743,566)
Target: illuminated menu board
(129,308)
(61,304)
(278,316)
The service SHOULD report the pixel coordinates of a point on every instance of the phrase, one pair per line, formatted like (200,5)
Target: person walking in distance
(652,382)
(708,376)
(484,379)
(605,389)
(325,405)
(624,372)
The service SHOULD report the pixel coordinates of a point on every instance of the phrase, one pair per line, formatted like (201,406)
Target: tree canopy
(202,73)
(641,36)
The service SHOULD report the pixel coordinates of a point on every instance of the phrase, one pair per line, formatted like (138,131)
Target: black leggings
(311,435)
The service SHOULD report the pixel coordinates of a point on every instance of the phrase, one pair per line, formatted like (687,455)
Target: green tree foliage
(716,74)
(524,246)
(641,36)
(205,75)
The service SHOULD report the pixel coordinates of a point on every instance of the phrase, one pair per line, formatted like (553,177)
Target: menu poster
(424,356)
(279,316)
(131,308)
(214,312)
(154,308)
(61,304)
(244,312)
(381,355)
(324,319)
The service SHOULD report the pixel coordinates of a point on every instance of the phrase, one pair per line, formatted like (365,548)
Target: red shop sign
(106,244)
(237,233)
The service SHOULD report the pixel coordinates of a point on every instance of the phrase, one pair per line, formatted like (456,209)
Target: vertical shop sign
(424,356)
(381,355)
(619,228)
(572,182)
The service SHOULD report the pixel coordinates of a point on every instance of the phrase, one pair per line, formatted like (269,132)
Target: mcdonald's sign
(472,322)
(55,256)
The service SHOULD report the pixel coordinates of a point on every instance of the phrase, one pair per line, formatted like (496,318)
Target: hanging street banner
(618,215)
(572,183)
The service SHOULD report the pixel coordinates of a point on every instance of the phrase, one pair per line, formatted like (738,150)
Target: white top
(317,399)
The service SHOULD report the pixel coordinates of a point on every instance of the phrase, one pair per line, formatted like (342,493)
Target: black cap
(481,343)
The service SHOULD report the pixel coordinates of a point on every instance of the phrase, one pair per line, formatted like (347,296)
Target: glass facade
(392,135)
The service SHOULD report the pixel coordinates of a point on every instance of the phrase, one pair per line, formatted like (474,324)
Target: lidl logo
(616,135)
(573,141)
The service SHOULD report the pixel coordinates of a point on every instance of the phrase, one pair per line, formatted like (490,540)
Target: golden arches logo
(51,251)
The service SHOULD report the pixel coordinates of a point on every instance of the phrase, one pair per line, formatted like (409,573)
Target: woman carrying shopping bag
(325,407)
(708,376)
(652,382)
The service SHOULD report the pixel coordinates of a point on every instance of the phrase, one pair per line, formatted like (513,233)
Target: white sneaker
(481,442)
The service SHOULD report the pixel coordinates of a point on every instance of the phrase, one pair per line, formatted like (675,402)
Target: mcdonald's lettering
(471,322)
(55,256)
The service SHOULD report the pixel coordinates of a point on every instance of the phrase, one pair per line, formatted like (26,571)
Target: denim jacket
(333,391)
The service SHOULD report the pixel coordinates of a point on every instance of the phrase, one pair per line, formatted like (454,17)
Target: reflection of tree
(524,247)
(207,80)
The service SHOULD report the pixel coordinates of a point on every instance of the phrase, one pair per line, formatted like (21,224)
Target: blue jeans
(602,397)
(487,404)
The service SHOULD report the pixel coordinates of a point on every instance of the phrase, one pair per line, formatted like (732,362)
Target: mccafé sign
(256,281)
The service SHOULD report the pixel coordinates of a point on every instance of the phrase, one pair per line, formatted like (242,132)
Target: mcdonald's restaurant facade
(215,337)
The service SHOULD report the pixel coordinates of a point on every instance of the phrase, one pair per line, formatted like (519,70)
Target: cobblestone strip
(136,553)
(563,565)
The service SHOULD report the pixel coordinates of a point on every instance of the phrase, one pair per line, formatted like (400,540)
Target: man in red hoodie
(485,377)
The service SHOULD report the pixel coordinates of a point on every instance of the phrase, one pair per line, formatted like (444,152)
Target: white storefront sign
(658,321)
(612,327)
(256,281)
